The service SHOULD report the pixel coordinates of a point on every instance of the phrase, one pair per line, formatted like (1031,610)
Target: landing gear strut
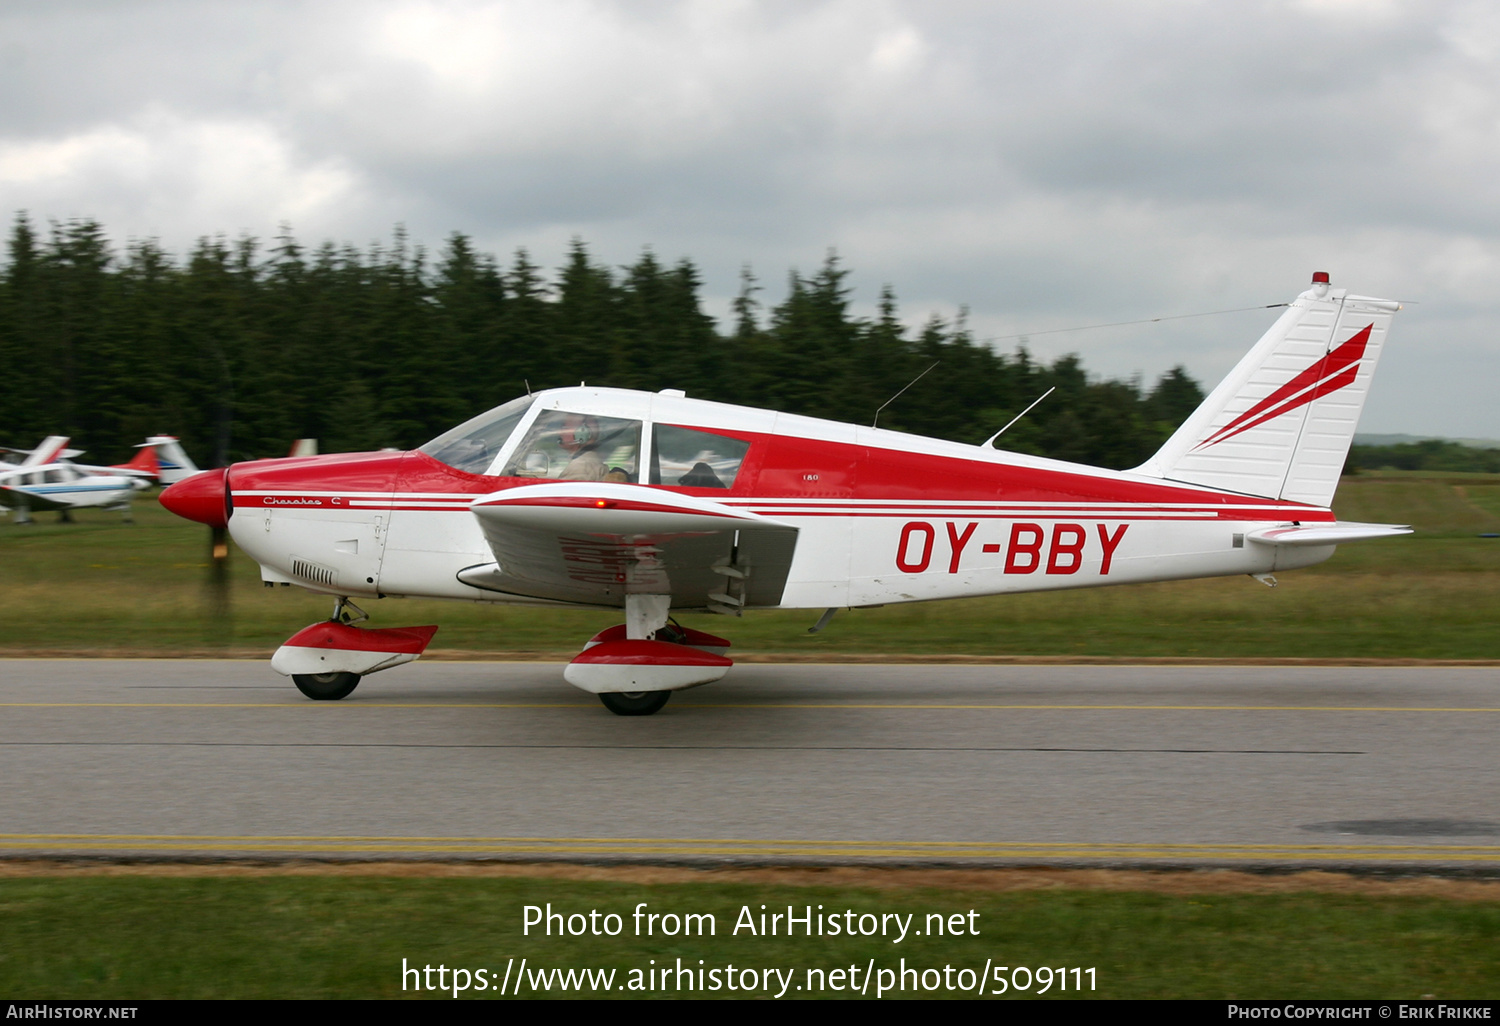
(342,614)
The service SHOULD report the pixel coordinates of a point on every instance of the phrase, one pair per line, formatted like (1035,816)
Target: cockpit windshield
(474,444)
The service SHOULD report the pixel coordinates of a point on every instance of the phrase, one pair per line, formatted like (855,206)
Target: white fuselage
(875,512)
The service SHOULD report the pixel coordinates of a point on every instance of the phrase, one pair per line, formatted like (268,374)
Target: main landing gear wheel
(327,687)
(630,703)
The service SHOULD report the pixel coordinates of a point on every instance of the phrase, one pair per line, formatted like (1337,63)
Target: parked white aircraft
(172,464)
(49,479)
(657,502)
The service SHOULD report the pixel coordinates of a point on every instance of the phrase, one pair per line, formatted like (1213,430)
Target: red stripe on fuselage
(582,502)
(872,481)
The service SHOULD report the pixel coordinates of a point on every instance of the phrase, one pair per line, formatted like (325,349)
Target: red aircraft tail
(144,461)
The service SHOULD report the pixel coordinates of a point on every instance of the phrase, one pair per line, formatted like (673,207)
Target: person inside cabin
(701,476)
(580,438)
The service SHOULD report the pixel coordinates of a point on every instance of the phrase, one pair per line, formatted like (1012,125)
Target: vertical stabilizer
(52,447)
(143,462)
(1281,423)
(173,463)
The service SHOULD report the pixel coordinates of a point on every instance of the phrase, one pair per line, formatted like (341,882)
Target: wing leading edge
(595,543)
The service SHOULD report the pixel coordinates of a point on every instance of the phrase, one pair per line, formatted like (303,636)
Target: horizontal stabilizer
(1326,534)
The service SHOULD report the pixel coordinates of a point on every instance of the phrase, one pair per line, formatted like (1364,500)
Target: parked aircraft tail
(144,462)
(174,464)
(1281,423)
(53,447)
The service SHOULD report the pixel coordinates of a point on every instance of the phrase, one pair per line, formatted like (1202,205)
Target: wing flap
(596,543)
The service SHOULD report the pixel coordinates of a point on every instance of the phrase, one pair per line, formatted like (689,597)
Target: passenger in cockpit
(580,437)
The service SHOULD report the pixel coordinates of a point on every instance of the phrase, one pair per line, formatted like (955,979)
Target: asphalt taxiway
(1339,768)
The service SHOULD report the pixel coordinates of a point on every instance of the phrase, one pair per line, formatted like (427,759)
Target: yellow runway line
(764,705)
(571,846)
(296,705)
(1110,708)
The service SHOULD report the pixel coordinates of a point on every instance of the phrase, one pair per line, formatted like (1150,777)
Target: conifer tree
(240,352)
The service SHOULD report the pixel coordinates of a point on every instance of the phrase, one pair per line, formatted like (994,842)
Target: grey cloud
(1044,163)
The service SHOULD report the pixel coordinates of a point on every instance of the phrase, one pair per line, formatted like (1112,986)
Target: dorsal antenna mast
(1018,416)
(913,381)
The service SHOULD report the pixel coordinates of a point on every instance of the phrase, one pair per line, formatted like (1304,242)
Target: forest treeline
(241,347)
(1430,454)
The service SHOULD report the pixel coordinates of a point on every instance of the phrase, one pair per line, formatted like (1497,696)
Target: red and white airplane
(655,502)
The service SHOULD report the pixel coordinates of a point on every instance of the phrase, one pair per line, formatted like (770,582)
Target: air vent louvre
(313,572)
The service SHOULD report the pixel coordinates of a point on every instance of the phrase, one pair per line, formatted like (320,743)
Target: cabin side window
(695,459)
(567,446)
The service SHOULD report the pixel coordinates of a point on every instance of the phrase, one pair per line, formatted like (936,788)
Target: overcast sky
(1045,164)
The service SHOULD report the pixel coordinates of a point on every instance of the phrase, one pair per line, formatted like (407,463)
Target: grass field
(339,936)
(100,584)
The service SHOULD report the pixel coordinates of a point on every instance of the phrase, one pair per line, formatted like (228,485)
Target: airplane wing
(595,543)
(1326,534)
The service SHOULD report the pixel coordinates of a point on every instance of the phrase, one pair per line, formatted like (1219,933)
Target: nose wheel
(326,687)
(630,703)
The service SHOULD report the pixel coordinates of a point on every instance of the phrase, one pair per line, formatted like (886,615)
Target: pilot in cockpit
(566,446)
(579,437)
